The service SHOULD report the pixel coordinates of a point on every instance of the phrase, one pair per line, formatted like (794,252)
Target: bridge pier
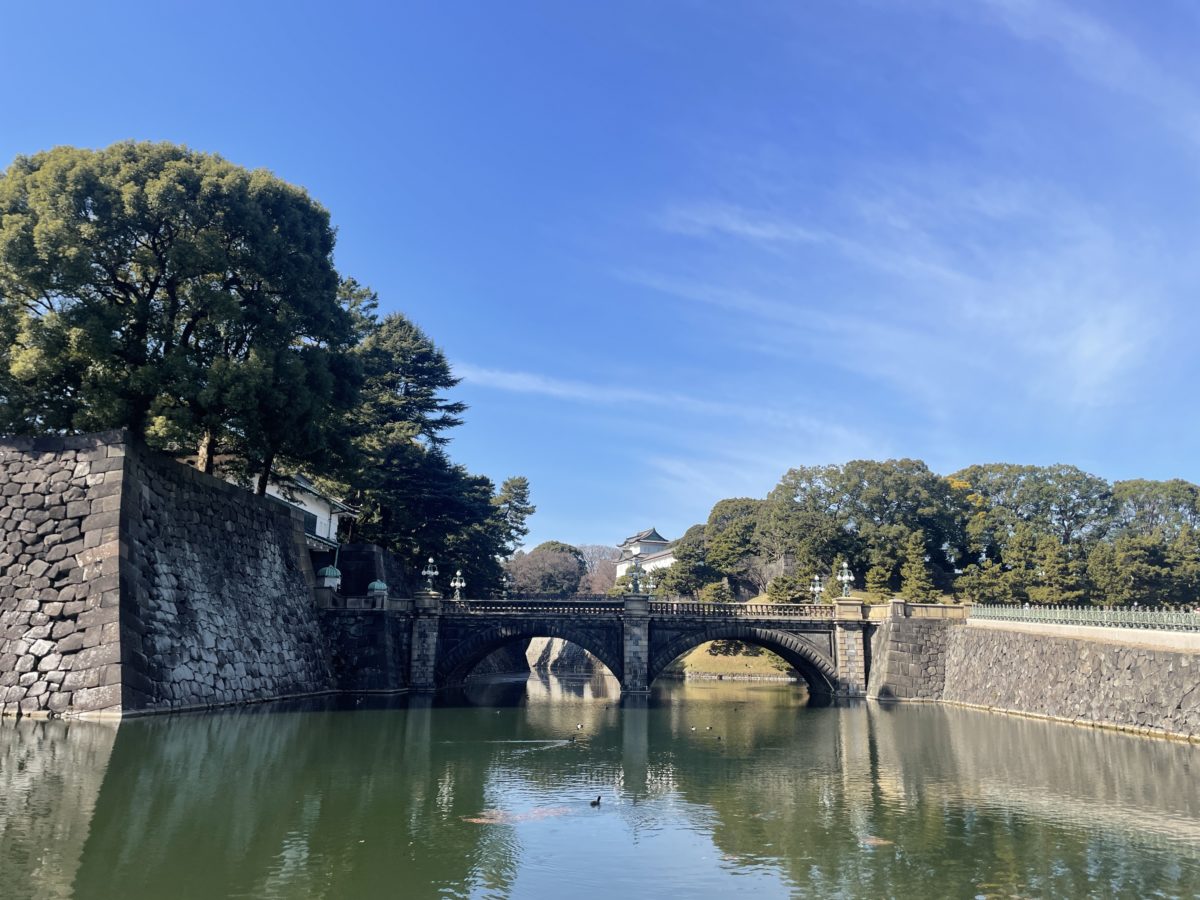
(422,674)
(850,648)
(635,638)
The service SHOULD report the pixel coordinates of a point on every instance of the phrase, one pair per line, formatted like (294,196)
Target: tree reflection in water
(485,793)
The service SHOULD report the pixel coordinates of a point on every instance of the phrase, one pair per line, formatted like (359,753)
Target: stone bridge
(637,637)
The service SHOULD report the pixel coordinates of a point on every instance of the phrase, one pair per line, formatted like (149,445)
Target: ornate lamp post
(651,583)
(846,577)
(635,571)
(458,583)
(430,572)
(816,587)
(505,582)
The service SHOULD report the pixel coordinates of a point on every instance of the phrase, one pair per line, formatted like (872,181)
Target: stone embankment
(560,657)
(1094,682)
(130,583)
(1096,679)
(59,584)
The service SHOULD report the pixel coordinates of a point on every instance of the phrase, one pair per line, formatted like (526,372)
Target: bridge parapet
(665,608)
(606,607)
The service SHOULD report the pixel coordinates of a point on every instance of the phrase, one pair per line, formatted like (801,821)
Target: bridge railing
(1160,618)
(607,606)
(742,610)
(599,606)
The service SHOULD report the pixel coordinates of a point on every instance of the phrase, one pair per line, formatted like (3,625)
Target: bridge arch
(455,663)
(817,669)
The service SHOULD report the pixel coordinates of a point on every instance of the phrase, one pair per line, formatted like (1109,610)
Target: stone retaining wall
(908,659)
(131,583)
(560,657)
(217,602)
(1104,683)
(1091,682)
(59,586)
(368,649)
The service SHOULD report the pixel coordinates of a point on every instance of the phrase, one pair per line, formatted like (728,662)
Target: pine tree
(916,582)
(879,583)
(1184,557)
(1055,579)
(833,587)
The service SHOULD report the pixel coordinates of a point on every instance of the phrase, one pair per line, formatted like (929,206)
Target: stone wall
(369,649)
(908,658)
(1093,682)
(560,657)
(1086,680)
(59,586)
(508,660)
(216,593)
(131,583)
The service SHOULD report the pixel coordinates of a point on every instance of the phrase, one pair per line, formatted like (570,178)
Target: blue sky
(676,248)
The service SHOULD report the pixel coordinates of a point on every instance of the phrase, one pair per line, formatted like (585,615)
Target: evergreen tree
(915,579)
(879,583)
(153,287)
(690,572)
(984,583)
(512,511)
(833,587)
(1057,578)
(1020,564)
(1133,569)
(1184,560)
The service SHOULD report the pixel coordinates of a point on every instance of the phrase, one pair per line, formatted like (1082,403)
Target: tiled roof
(650,535)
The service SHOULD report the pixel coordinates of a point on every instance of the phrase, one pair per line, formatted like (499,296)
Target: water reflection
(50,777)
(706,789)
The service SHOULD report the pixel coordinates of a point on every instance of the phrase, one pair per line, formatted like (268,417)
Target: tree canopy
(170,292)
(196,303)
(994,533)
(551,568)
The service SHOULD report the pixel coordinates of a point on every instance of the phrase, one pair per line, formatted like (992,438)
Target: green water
(486,795)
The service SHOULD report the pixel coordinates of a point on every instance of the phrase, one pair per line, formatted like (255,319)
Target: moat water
(708,789)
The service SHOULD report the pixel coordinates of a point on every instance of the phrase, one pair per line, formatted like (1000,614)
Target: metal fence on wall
(1160,618)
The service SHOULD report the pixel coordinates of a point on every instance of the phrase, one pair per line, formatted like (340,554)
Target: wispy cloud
(608,394)
(692,451)
(1099,53)
(1009,279)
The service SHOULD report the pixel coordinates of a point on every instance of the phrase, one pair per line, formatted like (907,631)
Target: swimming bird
(709,728)
(579,725)
(595,802)
(693,728)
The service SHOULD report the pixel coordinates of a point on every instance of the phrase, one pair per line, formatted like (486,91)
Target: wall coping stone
(1178,641)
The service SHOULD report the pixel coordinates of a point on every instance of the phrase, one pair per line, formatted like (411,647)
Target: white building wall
(648,565)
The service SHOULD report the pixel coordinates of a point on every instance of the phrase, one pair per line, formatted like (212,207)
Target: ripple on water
(466,800)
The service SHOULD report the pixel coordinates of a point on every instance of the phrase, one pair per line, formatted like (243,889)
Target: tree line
(555,569)
(995,533)
(196,303)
